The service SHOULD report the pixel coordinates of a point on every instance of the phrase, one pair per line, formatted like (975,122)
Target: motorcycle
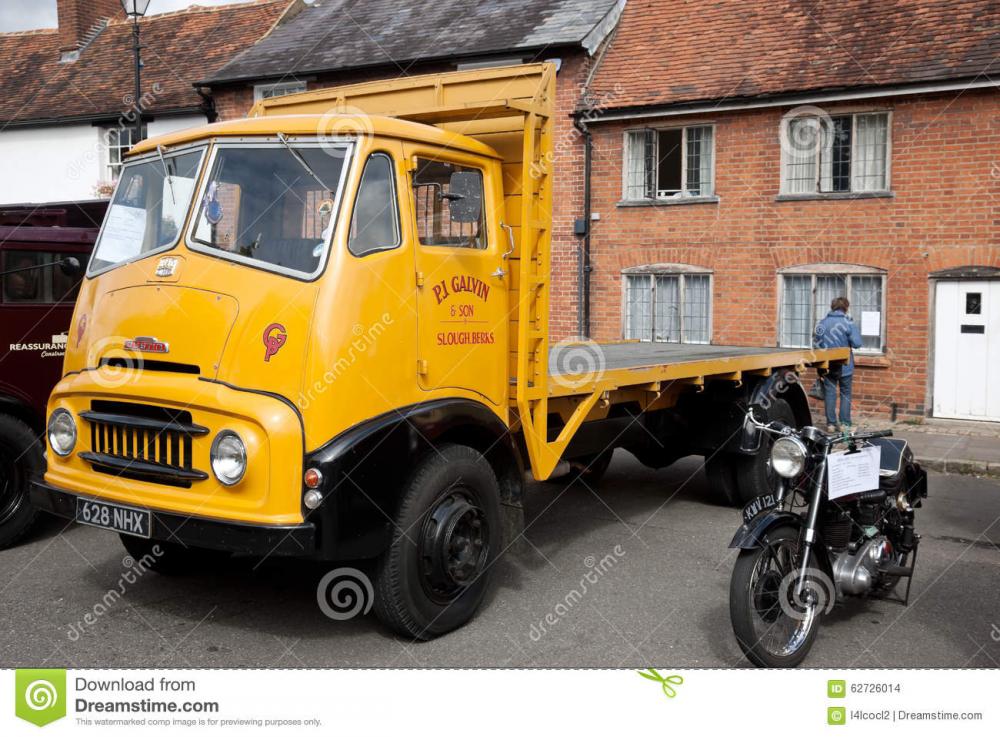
(802,551)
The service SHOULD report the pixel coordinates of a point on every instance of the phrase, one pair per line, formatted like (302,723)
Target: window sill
(872,361)
(834,196)
(708,200)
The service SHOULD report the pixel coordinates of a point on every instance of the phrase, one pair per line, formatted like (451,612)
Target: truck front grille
(143,442)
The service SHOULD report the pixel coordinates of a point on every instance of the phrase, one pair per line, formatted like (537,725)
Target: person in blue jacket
(837,330)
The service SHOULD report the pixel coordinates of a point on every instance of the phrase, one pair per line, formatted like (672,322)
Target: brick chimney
(81,20)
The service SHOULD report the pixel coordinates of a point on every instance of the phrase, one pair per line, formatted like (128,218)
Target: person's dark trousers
(830,386)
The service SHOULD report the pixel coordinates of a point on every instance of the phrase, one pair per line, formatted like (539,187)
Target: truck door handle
(499,273)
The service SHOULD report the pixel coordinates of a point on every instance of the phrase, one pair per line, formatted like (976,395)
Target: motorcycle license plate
(758,505)
(115,517)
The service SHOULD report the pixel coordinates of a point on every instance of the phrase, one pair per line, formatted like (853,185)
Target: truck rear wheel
(20,459)
(754,473)
(447,535)
(721,471)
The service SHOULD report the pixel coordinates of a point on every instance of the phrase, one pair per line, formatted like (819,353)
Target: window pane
(374,225)
(699,161)
(866,296)
(827,289)
(271,206)
(26,284)
(796,312)
(670,159)
(871,146)
(835,155)
(800,146)
(668,310)
(697,302)
(638,308)
(635,165)
(437,225)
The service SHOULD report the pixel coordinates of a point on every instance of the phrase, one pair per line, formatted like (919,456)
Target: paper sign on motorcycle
(851,473)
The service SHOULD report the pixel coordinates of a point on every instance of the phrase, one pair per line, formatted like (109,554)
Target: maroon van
(43,249)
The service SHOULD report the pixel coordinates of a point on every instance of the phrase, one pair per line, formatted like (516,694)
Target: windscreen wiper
(298,157)
(166,174)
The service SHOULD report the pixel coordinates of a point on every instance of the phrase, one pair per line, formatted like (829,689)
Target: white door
(967,350)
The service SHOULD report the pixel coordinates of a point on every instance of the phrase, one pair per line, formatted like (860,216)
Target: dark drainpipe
(582,230)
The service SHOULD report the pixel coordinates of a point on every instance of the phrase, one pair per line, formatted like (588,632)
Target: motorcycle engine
(856,572)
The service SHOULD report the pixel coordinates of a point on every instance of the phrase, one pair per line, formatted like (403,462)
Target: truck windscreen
(148,209)
(272,206)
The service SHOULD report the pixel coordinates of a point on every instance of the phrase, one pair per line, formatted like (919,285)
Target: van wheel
(170,558)
(721,471)
(753,473)
(447,534)
(20,460)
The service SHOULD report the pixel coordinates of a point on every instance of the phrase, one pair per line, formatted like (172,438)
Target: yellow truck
(322,332)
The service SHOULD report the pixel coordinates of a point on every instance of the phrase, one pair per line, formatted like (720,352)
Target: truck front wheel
(20,459)
(447,535)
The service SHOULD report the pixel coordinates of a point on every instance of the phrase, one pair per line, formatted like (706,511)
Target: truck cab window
(442,212)
(271,206)
(375,223)
(37,278)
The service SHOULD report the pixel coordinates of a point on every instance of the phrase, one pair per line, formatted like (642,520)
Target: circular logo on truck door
(274,337)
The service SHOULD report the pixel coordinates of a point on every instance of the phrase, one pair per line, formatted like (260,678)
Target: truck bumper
(200,532)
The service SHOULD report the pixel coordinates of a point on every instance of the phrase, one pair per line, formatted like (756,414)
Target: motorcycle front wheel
(773,628)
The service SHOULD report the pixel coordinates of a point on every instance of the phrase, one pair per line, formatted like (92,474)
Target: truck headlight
(62,432)
(229,457)
(788,457)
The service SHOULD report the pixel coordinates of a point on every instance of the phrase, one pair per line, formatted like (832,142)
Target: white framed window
(119,140)
(807,291)
(835,154)
(277,89)
(669,163)
(667,304)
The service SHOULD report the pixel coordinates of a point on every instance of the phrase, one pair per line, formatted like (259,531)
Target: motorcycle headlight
(788,457)
(62,432)
(229,457)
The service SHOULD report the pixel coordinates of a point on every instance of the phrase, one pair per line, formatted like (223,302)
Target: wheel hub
(453,545)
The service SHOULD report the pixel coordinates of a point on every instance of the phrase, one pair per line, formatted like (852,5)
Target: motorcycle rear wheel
(772,630)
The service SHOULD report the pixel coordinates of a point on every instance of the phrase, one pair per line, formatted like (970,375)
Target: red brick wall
(945,174)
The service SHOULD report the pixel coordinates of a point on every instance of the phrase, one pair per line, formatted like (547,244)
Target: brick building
(757,159)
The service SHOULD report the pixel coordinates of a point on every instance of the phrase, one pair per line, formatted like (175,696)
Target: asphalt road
(662,599)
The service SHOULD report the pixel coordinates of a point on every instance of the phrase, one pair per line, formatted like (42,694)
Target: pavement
(952,446)
(630,574)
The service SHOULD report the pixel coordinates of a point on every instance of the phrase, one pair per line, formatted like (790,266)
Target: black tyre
(753,473)
(170,558)
(772,629)
(721,472)
(447,536)
(20,459)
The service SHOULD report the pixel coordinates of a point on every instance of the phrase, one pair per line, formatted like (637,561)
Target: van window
(436,225)
(272,206)
(44,284)
(375,224)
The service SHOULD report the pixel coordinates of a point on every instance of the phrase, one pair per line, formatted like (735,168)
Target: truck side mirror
(465,196)
(70,266)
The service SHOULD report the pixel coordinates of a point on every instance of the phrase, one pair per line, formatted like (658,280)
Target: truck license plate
(128,520)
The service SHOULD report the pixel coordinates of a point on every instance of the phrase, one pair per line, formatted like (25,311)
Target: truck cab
(42,248)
